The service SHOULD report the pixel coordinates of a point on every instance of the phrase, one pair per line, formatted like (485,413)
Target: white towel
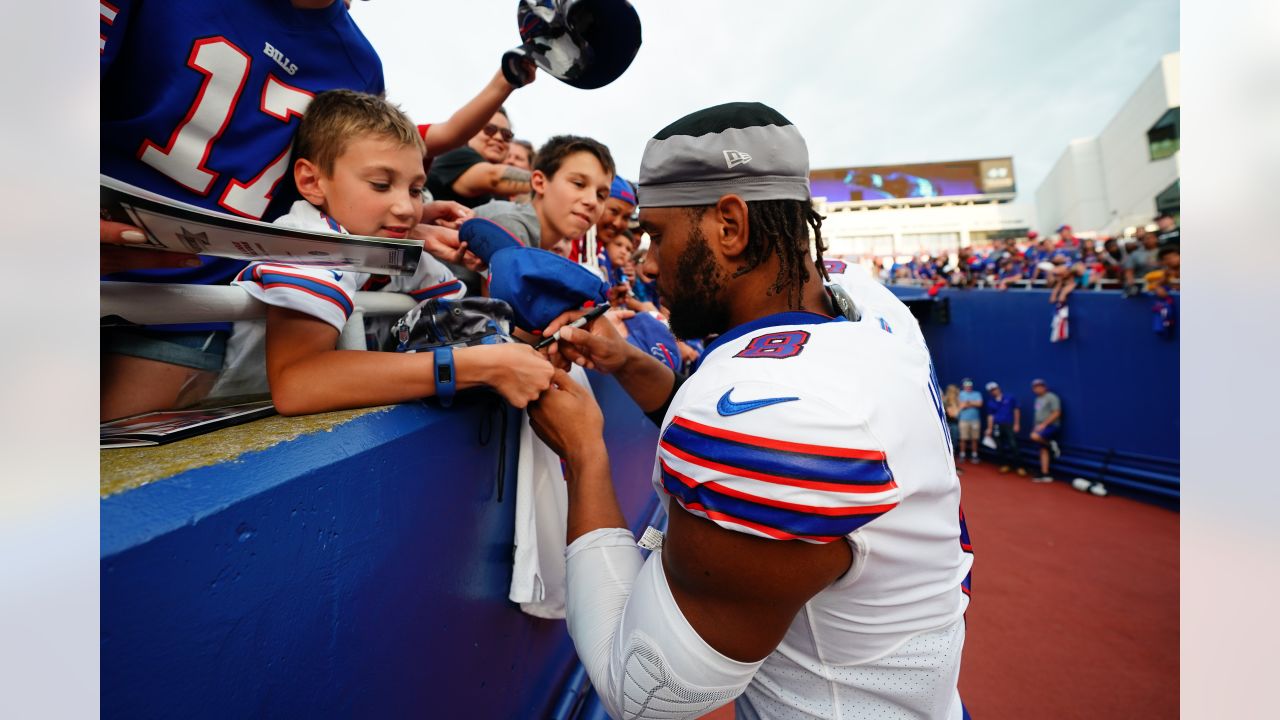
(542,513)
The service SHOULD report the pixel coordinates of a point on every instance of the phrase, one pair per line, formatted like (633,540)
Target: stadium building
(1121,178)
(1108,184)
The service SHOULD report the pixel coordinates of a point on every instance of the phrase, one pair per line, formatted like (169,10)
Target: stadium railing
(162,304)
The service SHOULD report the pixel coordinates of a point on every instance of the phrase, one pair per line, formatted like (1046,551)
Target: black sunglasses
(490,129)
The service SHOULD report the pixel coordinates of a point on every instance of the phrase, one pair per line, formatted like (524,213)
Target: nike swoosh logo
(727,407)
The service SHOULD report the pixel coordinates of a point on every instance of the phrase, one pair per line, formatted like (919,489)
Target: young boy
(571,180)
(358,164)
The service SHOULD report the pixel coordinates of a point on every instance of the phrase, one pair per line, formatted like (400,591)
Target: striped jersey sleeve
(321,293)
(791,470)
(432,279)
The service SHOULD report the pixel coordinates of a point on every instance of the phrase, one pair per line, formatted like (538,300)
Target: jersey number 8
(778,345)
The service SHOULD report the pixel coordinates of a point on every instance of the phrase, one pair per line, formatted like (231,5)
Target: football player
(816,561)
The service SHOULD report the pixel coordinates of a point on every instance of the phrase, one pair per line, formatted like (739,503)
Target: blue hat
(485,237)
(623,190)
(650,335)
(540,285)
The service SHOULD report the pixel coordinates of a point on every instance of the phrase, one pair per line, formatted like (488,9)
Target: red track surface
(1075,603)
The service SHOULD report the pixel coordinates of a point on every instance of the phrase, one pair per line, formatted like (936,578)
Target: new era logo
(733,158)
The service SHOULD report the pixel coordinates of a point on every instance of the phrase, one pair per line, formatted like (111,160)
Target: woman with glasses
(477,172)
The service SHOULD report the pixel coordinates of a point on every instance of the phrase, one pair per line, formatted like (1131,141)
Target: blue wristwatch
(446,380)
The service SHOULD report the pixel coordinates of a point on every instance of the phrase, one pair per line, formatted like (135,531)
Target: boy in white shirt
(358,164)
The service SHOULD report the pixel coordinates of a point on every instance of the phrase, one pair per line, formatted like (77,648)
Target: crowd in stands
(1148,261)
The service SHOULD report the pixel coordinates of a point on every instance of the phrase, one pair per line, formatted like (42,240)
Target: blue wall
(1117,379)
(359,572)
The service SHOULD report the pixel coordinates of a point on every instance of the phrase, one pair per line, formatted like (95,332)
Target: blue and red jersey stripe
(776,518)
(787,463)
(444,288)
(271,277)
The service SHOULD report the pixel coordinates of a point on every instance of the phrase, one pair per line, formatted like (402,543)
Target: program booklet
(165,426)
(175,226)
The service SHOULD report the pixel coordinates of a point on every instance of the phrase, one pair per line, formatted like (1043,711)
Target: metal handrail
(174,303)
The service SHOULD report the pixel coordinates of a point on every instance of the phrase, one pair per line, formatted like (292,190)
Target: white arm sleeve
(643,657)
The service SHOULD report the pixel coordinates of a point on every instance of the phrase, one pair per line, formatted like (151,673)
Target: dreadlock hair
(781,228)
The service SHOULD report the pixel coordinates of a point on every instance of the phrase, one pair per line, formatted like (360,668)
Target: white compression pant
(643,657)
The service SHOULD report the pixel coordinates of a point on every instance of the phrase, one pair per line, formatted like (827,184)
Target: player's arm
(601,348)
(486,178)
(702,613)
(470,118)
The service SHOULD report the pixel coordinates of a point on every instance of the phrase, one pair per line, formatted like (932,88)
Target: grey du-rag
(742,148)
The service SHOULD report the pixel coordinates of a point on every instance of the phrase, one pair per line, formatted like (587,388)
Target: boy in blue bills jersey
(816,561)
(359,169)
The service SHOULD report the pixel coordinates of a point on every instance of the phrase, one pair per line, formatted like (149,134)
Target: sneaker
(1053,447)
(1004,468)
(1021,472)
(1081,484)
(1042,479)
(1099,489)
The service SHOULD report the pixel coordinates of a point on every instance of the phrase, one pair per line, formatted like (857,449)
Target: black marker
(592,314)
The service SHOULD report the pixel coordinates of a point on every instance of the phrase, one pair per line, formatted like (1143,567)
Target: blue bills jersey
(201,98)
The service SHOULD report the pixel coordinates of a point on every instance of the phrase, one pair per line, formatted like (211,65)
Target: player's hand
(446,213)
(567,417)
(116,255)
(516,371)
(599,346)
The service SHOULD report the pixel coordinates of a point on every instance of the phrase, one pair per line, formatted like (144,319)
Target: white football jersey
(798,426)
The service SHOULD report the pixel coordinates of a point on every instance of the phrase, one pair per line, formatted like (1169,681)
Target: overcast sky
(866,82)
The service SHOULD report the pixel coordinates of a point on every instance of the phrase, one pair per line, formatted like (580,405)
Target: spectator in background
(1164,280)
(1063,279)
(1169,233)
(1112,258)
(970,419)
(1162,284)
(643,287)
(477,173)
(1141,261)
(570,184)
(521,155)
(1003,422)
(1048,419)
(1067,239)
(951,406)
